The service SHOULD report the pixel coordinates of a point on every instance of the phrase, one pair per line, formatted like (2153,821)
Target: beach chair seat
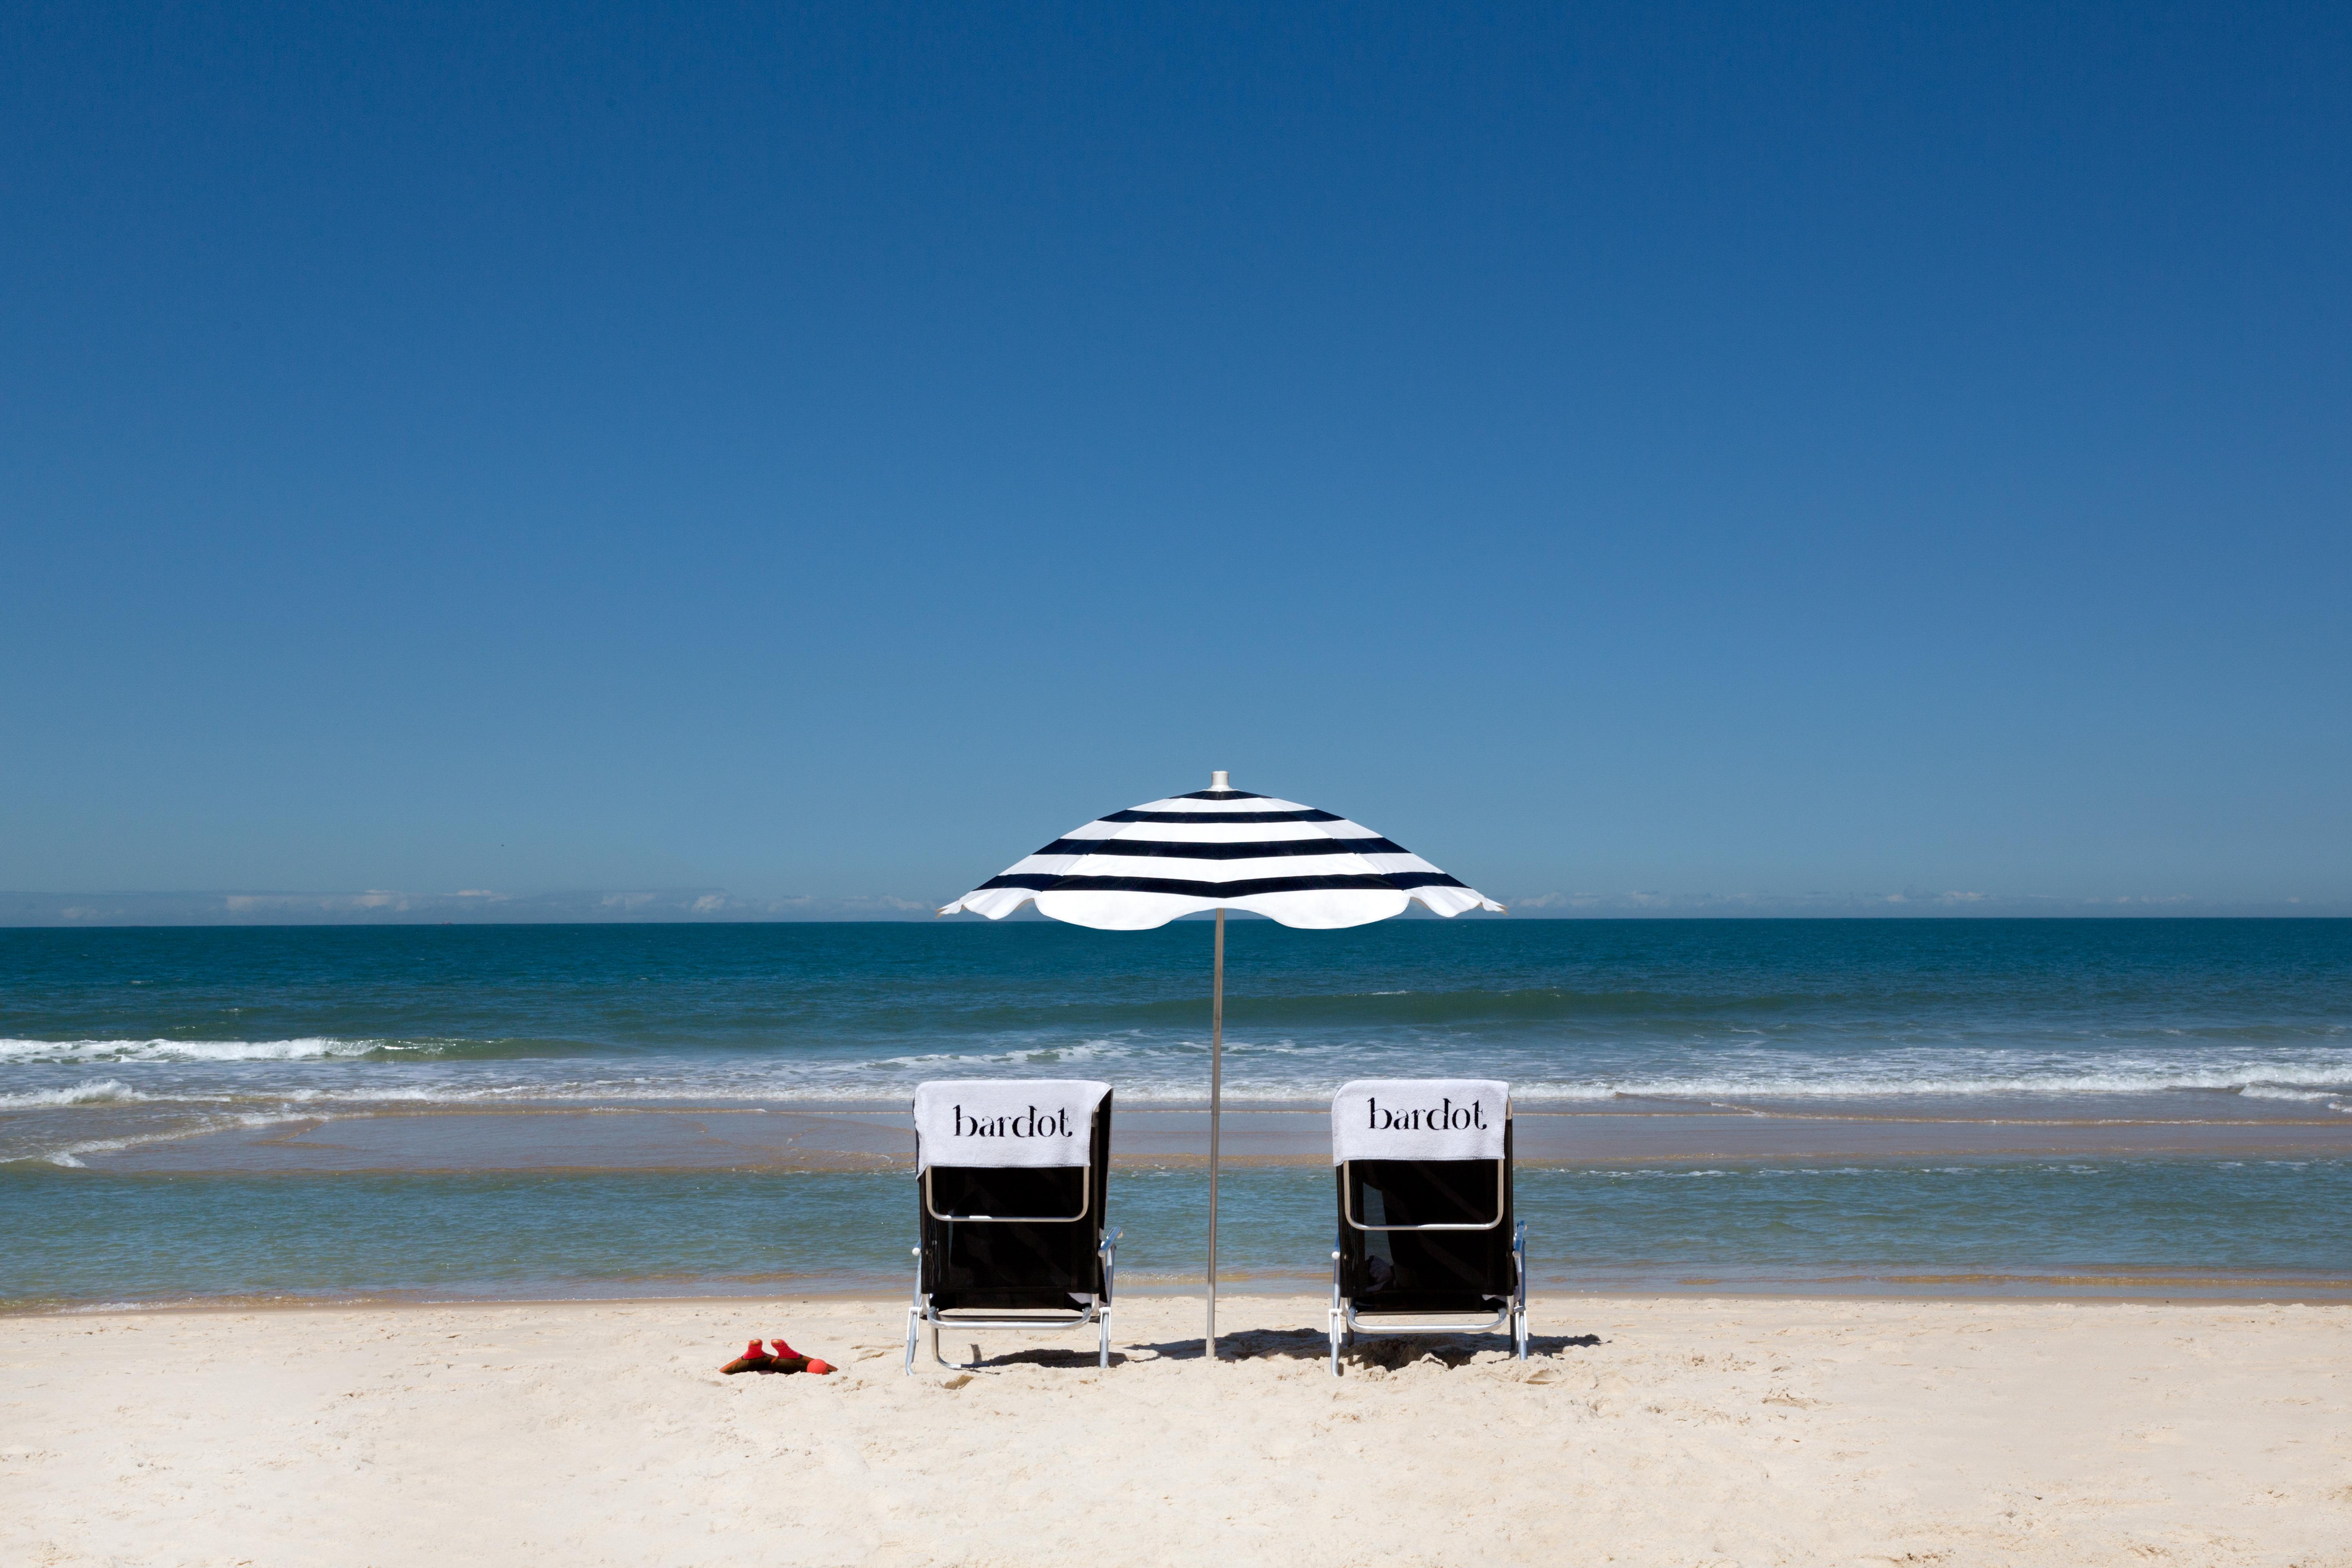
(1011,1182)
(1427,1240)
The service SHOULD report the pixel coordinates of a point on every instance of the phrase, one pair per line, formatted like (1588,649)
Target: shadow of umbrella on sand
(1220,848)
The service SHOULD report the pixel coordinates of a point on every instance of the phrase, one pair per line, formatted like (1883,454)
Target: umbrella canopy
(1220,848)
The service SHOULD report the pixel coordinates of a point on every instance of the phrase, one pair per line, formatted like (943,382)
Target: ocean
(2149,1106)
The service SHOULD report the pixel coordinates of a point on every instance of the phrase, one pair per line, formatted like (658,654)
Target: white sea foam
(311,1047)
(1165,1082)
(1150,1069)
(2268,1091)
(97,1091)
(1150,1080)
(1016,1056)
(2263,1080)
(69,1154)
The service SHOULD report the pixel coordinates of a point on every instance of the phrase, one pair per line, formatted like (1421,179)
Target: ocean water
(2261,1228)
(121,1048)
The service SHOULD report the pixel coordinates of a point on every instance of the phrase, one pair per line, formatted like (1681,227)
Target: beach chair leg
(1519,1306)
(1109,1254)
(914,1310)
(1336,1323)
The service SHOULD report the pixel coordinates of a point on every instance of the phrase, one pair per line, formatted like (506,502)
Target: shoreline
(686,1137)
(2119,1288)
(330,1215)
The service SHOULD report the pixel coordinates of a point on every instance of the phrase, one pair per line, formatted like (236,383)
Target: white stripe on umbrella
(1220,848)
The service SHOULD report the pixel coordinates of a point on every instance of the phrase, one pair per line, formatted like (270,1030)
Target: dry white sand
(1683,1432)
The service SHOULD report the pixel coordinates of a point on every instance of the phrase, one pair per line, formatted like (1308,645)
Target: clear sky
(833,450)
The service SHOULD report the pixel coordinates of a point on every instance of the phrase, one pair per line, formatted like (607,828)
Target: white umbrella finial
(1218,778)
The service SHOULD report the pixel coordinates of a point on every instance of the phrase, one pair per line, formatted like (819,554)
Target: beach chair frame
(1348,1319)
(923,1314)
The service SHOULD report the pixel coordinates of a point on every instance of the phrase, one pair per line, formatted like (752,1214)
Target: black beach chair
(1427,1242)
(1011,1188)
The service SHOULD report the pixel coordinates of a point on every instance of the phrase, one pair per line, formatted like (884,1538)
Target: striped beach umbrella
(1220,848)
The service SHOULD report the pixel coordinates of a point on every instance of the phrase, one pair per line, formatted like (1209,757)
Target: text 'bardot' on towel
(1034,1124)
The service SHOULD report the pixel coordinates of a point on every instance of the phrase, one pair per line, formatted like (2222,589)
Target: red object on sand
(753,1358)
(786,1359)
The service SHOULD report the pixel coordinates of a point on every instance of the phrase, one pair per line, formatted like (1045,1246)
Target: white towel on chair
(1419,1119)
(998,1121)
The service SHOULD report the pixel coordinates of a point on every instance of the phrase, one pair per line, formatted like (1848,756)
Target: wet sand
(799,1138)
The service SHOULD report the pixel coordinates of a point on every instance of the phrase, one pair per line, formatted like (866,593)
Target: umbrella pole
(1216,1099)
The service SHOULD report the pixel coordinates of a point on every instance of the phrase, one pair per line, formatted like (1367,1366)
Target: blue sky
(1704,449)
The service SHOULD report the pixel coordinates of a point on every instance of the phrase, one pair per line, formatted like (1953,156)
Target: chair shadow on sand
(1297,1345)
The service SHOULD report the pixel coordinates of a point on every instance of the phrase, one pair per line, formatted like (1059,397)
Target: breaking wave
(100,1091)
(1171,1071)
(312,1047)
(1839,1080)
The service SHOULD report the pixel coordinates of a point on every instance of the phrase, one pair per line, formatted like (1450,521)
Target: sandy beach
(1644,1431)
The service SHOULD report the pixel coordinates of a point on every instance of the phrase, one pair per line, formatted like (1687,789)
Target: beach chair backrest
(1011,1182)
(1424,1184)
